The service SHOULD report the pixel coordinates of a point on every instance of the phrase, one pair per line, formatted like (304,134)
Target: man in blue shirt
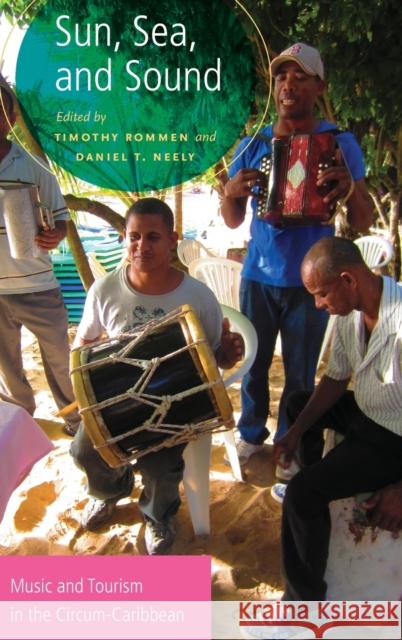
(272,293)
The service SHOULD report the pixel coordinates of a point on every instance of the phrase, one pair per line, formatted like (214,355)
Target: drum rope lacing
(179,433)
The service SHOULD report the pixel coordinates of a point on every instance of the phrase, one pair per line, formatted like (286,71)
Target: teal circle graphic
(136,95)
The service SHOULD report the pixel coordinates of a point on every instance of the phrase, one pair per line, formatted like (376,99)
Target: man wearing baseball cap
(272,293)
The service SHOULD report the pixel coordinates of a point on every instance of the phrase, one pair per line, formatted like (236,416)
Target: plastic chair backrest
(241,324)
(222,276)
(376,251)
(105,262)
(189,250)
(98,270)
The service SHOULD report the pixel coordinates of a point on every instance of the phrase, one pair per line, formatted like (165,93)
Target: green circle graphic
(138,95)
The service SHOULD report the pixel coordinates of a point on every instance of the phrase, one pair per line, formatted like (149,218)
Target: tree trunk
(98,209)
(80,258)
(394,233)
(379,207)
(178,209)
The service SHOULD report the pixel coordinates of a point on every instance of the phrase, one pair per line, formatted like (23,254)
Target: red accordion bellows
(291,197)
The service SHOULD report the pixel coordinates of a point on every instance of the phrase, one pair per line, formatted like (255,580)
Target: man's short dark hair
(8,101)
(152,206)
(333,255)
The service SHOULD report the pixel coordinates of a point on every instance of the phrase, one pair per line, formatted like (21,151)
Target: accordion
(290,196)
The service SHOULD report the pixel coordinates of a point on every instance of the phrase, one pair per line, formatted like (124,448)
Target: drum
(291,196)
(24,217)
(156,386)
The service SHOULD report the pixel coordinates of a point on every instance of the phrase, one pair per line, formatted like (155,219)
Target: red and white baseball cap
(308,58)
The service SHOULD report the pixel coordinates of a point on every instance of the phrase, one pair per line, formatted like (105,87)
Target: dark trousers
(369,458)
(161,473)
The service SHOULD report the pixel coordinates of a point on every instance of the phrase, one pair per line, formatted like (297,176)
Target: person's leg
(44,314)
(258,304)
(104,482)
(162,473)
(337,418)
(302,329)
(14,386)
(366,460)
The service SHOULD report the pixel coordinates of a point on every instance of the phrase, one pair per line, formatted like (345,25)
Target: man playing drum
(145,289)
(29,292)
(368,345)
(272,293)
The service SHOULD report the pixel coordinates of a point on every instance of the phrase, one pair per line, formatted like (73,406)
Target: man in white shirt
(148,287)
(29,292)
(367,343)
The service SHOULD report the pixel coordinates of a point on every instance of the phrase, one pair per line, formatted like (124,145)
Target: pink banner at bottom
(105,620)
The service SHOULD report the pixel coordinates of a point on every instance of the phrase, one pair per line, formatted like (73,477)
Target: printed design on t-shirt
(142,315)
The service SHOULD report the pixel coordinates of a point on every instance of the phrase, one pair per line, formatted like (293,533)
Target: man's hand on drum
(339,174)
(384,508)
(243,182)
(49,239)
(231,349)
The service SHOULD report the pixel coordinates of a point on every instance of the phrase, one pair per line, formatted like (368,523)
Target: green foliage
(20,11)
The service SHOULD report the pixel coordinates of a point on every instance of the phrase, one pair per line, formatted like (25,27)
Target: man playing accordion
(272,293)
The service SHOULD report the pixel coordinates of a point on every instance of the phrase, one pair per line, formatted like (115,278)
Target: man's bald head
(331,256)
(334,272)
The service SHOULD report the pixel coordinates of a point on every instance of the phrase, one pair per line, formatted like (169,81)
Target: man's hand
(231,349)
(241,185)
(339,174)
(286,448)
(384,508)
(49,239)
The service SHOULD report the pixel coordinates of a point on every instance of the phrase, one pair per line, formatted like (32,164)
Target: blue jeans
(291,312)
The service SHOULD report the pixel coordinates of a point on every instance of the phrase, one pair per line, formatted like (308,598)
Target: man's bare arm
(236,193)
(326,394)
(360,208)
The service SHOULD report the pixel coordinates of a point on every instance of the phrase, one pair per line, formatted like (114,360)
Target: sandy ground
(43,514)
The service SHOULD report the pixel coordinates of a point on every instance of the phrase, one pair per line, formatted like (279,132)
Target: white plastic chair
(98,269)
(189,250)
(222,276)
(198,452)
(377,252)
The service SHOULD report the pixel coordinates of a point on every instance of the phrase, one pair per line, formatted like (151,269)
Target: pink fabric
(22,443)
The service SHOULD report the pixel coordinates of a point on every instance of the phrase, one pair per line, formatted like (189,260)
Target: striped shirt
(30,274)
(377,368)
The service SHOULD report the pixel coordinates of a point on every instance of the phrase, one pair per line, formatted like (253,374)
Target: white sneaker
(287,474)
(246,449)
(278,492)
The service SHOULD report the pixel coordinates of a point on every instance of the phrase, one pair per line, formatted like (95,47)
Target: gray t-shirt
(112,305)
